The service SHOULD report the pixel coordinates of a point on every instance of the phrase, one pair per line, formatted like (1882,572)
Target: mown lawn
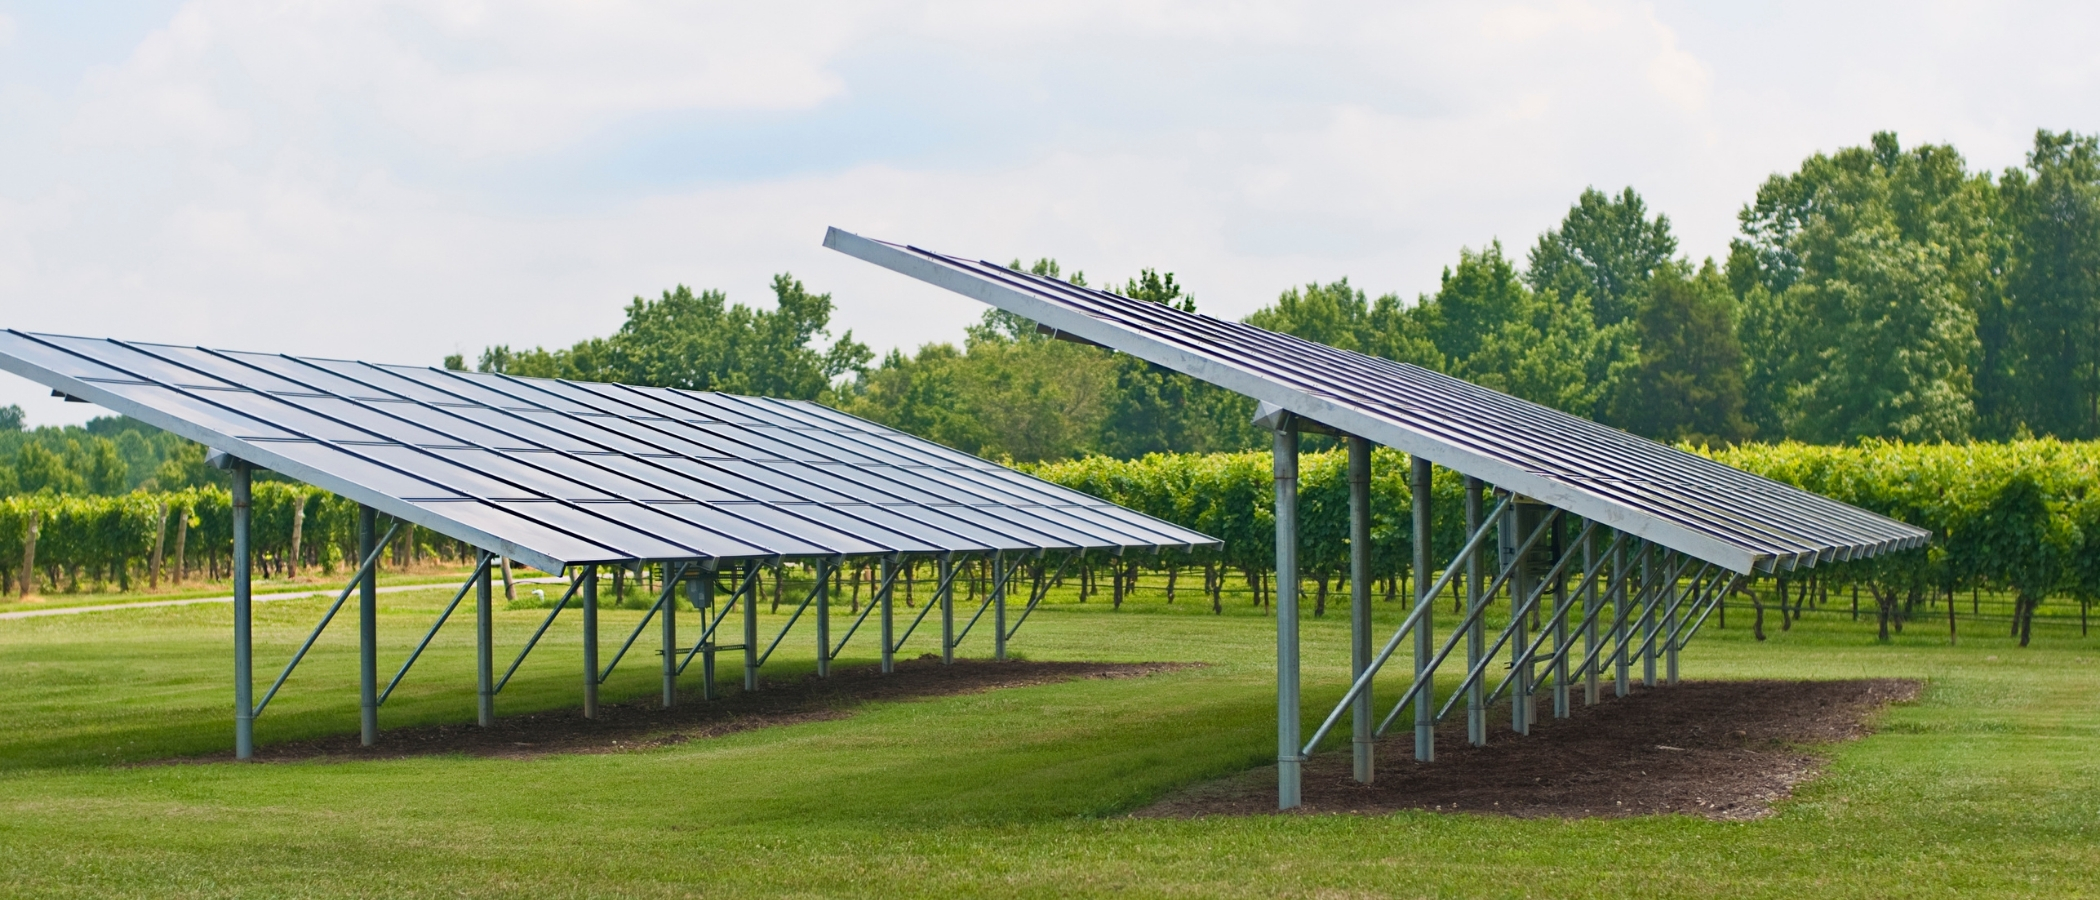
(1987,786)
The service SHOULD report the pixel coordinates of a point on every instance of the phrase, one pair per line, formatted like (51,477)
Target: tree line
(1874,292)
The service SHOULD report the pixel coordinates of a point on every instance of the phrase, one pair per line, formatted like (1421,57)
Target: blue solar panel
(557,473)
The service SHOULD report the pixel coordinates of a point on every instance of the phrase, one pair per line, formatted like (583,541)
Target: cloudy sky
(399,181)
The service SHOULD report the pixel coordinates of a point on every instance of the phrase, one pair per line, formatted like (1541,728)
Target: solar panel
(1680,500)
(558,473)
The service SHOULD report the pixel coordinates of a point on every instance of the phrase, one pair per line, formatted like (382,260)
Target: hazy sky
(399,181)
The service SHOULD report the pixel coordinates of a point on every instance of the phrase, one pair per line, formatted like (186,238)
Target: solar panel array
(558,472)
(1680,500)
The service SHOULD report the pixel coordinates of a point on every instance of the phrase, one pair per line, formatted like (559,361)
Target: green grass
(1989,785)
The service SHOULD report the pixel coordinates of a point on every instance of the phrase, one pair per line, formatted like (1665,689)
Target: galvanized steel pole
(367,629)
(590,642)
(1364,725)
(243,620)
(701,592)
(1520,699)
(747,594)
(1476,632)
(945,588)
(1621,673)
(999,575)
(1288,760)
(484,645)
(1592,686)
(823,568)
(1425,646)
(1651,591)
(889,624)
(670,634)
(1559,668)
(1669,630)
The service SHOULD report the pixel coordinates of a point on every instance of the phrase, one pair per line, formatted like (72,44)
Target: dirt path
(258,598)
(1719,749)
(642,724)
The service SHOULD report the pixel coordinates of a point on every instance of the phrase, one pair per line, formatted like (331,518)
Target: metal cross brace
(1451,571)
(671,582)
(1429,675)
(1517,612)
(486,560)
(932,600)
(1042,589)
(1619,622)
(999,582)
(806,601)
(363,572)
(884,585)
(574,585)
(743,594)
(1708,607)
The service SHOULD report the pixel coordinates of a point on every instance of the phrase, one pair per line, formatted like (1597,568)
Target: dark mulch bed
(1718,749)
(644,724)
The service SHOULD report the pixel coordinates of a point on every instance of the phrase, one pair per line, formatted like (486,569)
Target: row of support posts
(1635,611)
(700,592)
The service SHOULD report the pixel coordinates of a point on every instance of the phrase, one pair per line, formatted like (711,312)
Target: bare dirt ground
(1718,749)
(643,724)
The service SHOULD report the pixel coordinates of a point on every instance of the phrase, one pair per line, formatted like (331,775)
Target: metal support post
(1592,686)
(999,577)
(367,630)
(1476,630)
(484,645)
(823,569)
(590,642)
(1288,759)
(1519,588)
(1669,630)
(1653,594)
(701,593)
(1621,673)
(946,590)
(670,633)
(243,620)
(1559,626)
(889,623)
(1425,645)
(748,595)
(1364,725)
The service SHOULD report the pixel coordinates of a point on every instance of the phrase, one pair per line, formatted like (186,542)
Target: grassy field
(1987,786)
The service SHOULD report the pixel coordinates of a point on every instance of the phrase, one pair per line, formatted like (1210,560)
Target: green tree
(10,418)
(1492,329)
(702,342)
(1606,247)
(2048,370)
(1865,272)
(1688,385)
(37,469)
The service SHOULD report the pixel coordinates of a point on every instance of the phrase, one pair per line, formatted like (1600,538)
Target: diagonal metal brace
(671,582)
(486,560)
(1042,590)
(944,584)
(1517,612)
(819,586)
(1363,682)
(363,572)
(739,596)
(999,583)
(886,583)
(574,585)
(1458,633)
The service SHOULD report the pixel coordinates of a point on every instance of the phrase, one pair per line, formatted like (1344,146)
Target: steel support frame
(364,573)
(1289,758)
(1363,681)
(1419,485)
(1363,740)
